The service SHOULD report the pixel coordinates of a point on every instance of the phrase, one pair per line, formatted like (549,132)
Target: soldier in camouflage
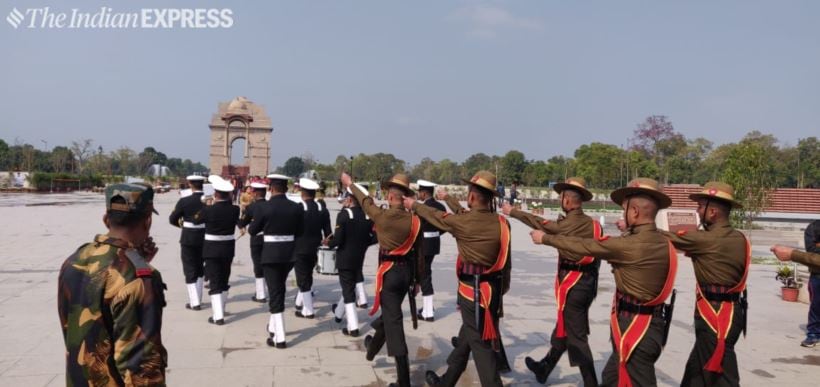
(110,299)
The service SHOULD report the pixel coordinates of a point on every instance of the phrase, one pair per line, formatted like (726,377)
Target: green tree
(293,166)
(750,170)
(512,166)
(599,164)
(5,156)
(536,174)
(808,170)
(475,163)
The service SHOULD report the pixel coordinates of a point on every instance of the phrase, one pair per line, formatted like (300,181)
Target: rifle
(667,316)
(744,308)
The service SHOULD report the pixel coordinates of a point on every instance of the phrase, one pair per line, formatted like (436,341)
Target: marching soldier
(257,240)
(397,232)
(110,298)
(280,220)
(431,246)
(721,256)
(576,282)
(483,269)
(316,228)
(644,264)
(220,219)
(353,235)
(190,240)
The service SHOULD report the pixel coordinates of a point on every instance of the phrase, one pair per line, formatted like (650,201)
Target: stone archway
(240,118)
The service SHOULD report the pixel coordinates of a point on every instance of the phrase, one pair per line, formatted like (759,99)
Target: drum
(326,264)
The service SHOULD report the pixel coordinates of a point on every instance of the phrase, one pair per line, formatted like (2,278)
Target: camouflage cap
(139,198)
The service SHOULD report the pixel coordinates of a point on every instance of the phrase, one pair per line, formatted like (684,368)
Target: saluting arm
(536,222)
(371,209)
(606,249)
(805,257)
(688,242)
(454,205)
(439,219)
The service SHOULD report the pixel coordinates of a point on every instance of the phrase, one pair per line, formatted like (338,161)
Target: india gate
(240,119)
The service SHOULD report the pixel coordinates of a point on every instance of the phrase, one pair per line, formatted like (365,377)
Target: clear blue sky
(439,79)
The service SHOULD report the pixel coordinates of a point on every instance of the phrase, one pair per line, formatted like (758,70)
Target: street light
(352,176)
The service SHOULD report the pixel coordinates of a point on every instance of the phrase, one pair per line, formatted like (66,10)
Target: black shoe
(217,322)
(422,318)
(271,343)
(431,378)
(353,333)
(333,310)
(188,306)
(259,300)
(539,368)
(300,315)
(362,306)
(454,341)
(367,340)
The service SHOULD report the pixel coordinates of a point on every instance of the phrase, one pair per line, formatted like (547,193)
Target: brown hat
(400,181)
(577,184)
(715,190)
(643,186)
(484,180)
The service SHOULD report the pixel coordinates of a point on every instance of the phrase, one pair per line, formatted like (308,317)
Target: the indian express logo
(108,18)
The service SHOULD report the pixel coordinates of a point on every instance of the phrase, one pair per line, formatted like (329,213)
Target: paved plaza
(37,237)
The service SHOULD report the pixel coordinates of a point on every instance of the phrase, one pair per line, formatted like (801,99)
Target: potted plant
(790,288)
(536,208)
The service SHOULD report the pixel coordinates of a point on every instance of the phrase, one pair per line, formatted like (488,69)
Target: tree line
(83,158)
(655,150)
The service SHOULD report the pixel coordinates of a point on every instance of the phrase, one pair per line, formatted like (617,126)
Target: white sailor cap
(220,184)
(195,178)
(308,184)
(276,176)
(425,183)
(257,184)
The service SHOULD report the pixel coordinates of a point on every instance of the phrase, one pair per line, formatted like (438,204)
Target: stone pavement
(36,239)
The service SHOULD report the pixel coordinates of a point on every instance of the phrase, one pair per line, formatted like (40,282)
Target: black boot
(589,375)
(432,378)
(333,310)
(353,333)
(402,371)
(374,344)
(454,341)
(543,368)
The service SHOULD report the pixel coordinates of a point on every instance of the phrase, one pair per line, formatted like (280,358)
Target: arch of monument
(240,118)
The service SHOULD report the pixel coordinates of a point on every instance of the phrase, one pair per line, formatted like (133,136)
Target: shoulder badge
(545,221)
(141,267)
(681,232)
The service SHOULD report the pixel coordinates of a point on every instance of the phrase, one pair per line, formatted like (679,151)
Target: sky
(438,79)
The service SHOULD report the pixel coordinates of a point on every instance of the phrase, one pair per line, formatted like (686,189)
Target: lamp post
(352,176)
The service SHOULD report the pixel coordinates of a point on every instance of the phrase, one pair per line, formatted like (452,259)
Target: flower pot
(790,294)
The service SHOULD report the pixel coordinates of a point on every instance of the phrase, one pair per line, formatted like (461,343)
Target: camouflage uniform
(110,303)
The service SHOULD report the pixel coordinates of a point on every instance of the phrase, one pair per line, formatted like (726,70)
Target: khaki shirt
(392,224)
(477,233)
(576,224)
(718,254)
(640,260)
(812,260)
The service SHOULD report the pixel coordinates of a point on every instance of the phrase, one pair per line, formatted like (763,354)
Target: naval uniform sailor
(316,227)
(352,236)
(431,245)
(280,220)
(720,256)
(576,282)
(190,240)
(256,240)
(220,220)
(398,234)
(644,264)
(483,269)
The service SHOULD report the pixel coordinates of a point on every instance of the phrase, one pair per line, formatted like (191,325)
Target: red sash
(485,290)
(385,266)
(626,342)
(720,321)
(562,287)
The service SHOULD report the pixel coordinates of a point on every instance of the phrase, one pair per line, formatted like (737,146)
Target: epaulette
(681,232)
(545,221)
(141,267)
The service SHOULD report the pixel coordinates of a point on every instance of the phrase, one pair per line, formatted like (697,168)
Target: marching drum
(326,264)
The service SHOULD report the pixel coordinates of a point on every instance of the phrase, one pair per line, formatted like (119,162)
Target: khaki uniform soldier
(110,299)
(721,256)
(483,269)
(257,240)
(220,219)
(576,282)
(644,264)
(190,240)
(431,246)
(397,231)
